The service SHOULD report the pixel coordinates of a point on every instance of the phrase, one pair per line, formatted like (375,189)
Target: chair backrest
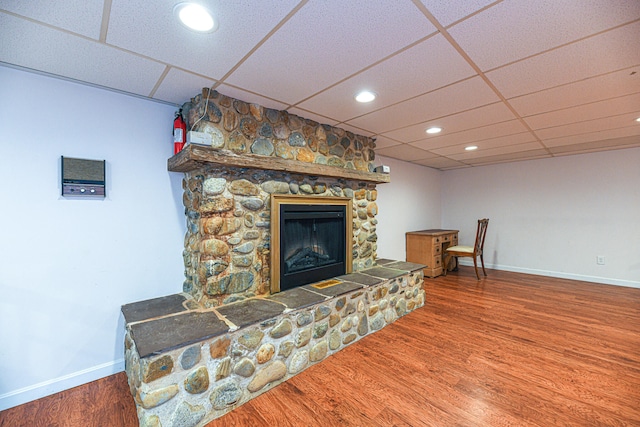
(480,233)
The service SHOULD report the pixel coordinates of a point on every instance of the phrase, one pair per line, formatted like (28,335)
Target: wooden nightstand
(427,247)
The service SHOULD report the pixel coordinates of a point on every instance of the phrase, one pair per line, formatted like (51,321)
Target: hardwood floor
(508,350)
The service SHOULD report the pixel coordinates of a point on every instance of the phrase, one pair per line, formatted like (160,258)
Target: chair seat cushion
(467,249)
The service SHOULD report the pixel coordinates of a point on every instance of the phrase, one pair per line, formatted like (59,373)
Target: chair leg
(475,265)
(445,262)
(482,260)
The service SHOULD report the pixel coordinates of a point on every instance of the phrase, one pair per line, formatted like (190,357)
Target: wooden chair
(469,251)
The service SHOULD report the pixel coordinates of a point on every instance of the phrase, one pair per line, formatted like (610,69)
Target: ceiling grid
(519,79)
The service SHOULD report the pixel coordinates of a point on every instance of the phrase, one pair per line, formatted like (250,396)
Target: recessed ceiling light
(195,17)
(471,147)
(365,96)
(638,119)
(434,130)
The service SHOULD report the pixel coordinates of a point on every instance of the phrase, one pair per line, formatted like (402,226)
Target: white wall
(410,202)
(68,265)
(554,216)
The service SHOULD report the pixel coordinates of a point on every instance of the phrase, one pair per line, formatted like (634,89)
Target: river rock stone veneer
(227,244)
(244,128)
(194,356)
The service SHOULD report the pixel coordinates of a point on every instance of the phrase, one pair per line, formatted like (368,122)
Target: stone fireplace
(260,155)
(280,263)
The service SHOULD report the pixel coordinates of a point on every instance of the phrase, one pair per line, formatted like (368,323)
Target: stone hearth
(194,356)
(187,366)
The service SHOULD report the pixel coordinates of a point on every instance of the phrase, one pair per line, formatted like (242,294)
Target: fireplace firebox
(311,240)
(312,246)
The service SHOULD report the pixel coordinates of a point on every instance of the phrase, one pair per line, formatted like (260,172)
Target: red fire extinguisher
(179,132)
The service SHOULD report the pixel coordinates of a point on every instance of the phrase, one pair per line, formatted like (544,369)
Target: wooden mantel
(194,157)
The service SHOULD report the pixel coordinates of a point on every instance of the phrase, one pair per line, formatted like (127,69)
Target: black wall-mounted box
(82,177)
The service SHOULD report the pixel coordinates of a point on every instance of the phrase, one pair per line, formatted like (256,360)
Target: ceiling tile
(355,130)
(348,35)
(611,85)
(59,53)
(440,163)
(159,35)
(425,67)
(610,51)
(581,113)
(590,147)
(447,12)
(510,157)
(252,98)
(455,167)
(632,131)
(589,126)
(465,95)
(470,156)
(488,114)
(312,116)
(520,28)
(472,135)
(383,142)
(488,144)
(179,86)
(82,17)
(403,152)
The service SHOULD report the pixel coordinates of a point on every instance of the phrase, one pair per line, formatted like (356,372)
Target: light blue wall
(410,202)
(68,265)
(554,216)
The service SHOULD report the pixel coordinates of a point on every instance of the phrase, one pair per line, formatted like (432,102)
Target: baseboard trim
(560,275)
(55,385)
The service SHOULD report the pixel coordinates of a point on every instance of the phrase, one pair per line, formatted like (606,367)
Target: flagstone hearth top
(162,324)
(402,265)
(340,288)
(166,333)
(362,279)
(250,311)
(385,261)
(384,272)
(156,307)
(297,298)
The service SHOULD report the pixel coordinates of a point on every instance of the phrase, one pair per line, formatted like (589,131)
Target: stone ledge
(194,157)
(169,324)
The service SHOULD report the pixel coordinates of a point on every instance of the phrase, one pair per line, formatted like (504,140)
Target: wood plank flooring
(508,350)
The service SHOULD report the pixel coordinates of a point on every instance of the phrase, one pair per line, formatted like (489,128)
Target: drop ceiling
(520,79)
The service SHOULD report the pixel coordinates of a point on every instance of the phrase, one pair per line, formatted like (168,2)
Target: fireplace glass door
(312,243)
